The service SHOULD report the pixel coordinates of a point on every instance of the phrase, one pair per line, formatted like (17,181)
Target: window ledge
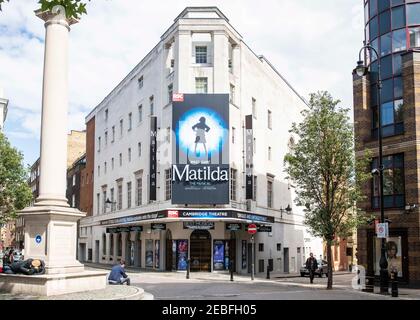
(373,139)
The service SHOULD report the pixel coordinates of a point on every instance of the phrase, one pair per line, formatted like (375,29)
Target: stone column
(220,68)
(51,225)
(183,49)
(115,253)
(107,246)
(124,249)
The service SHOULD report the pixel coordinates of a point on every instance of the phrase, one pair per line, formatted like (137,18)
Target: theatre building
(188,151)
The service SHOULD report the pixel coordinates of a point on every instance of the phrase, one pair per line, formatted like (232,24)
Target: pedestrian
(118,275)
(311,265)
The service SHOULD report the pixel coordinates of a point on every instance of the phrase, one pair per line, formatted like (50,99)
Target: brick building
(393,28)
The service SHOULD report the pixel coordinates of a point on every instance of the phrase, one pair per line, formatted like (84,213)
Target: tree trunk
(330,268)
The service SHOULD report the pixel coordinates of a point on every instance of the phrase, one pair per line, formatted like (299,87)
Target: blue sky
(313,43)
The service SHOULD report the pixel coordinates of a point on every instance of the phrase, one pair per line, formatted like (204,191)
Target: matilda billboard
(200,169)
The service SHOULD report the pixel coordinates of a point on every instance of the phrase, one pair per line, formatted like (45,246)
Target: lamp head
(361,69)
(288,209)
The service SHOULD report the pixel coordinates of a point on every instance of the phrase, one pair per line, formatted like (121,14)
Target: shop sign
(204,214)
(153,158)
(139,217)
(136,228)
(249,153)
(233,226)
(264,229)
(199,225)
(158,226)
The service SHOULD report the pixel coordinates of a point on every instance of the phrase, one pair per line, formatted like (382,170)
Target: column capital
(56,16)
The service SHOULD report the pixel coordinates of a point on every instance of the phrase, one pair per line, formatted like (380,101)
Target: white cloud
(313,43)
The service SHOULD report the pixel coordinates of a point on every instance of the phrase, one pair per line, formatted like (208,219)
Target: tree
(15,193)
(74,8)
(327,176)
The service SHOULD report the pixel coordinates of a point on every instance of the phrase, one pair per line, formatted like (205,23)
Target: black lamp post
(361,70)
(288,210)
(112,203)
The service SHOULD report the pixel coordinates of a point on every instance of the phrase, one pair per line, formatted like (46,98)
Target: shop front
(167,240)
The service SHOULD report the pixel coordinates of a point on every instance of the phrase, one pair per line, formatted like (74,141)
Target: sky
(314,44)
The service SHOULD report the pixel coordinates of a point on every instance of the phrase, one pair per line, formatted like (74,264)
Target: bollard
(188,268)
(231,270)
(369,284)
(268,272)
(394,285)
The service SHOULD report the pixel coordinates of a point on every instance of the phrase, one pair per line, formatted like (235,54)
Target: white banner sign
(382,230)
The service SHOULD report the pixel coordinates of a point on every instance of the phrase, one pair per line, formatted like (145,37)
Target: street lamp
(288,210)
(112,203)
(362,70)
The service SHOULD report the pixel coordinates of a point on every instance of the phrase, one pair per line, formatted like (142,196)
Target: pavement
(217,286)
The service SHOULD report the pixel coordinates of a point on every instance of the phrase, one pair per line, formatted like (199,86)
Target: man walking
(311,265)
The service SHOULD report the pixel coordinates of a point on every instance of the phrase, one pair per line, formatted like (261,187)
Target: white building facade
(3,109)
(201,53)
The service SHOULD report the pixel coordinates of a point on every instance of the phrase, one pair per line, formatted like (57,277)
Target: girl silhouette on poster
(201,129)
(394,262)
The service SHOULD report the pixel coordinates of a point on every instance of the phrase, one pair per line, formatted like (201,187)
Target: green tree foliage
(327,176)
(15,193)
(74,8)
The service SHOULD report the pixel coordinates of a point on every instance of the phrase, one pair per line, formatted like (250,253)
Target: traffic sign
(252,228)
(38,238)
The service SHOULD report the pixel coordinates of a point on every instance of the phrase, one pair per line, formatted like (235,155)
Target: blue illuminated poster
(149,253)
(157,253)
(200,172)
(218,255)
(182,251)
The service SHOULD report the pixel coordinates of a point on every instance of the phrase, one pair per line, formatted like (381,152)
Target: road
(174,286)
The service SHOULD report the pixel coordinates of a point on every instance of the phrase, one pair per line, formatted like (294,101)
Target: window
(269,119)
(278,246)
(261,265)
(386,42)
(232,94)
(414,34)
(254,194)
(140,111)
(269,153)
(413,13)
(233,173)
(373,27)
(261,247)
(201,54)
(396,2)
(269,194)
(168,135)
(168,184)
(394,186)
(120,197)
(104,201)
(254,108)
(99,144)
(385,22)
(129,154)
(151,103)
(74,180)
(201,85)
(112,163)
(99,171)
(392,118)
(139,191)
(254,145)
(139,149)
(121,127)
(106,115)
(112,200)
(73,201)
(170,92)
(106,138)
(386,63)
(130,121)
(373,8)
(396,60)
(98,202)
(399,40)
(398,18)
(128,194)
(140,82)
(113,133)
(233,134)
(120,159)
(105,167)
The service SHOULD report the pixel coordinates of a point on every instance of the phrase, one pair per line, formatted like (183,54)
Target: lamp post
(361,70)
(112,203)
(288,210)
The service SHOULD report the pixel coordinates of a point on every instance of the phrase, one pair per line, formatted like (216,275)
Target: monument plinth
(51,225)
